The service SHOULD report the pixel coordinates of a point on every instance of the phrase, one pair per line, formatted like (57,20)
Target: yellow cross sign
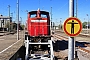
(72,26)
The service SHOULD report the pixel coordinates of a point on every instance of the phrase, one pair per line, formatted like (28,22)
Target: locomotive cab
(38,26)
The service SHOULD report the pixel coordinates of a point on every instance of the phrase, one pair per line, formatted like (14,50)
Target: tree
(84,24)
(22,26)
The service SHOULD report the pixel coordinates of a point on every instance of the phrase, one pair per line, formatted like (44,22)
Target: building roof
(4,17)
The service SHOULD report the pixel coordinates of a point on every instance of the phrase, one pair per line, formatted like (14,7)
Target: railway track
(80,45)
(80,35)
(6,33)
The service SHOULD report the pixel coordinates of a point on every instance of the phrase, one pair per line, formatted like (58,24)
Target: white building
(4,20)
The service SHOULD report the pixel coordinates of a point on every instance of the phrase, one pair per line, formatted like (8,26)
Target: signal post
(72,27)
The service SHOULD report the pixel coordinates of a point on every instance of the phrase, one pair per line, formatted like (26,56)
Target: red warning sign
(72,26)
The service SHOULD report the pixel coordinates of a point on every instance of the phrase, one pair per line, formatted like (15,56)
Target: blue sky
(60,8)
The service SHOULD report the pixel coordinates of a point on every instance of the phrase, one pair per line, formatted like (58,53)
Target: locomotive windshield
(33,15)
(42,14)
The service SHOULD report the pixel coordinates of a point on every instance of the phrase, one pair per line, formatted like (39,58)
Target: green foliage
(23,26)
(60,26)
(14,26)
(84,24)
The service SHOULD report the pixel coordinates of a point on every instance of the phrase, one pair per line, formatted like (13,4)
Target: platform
(9,45)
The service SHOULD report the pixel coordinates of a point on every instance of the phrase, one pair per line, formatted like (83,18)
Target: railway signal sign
(72,26)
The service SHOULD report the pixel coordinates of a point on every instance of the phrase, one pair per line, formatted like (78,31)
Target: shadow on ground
(63,44)
(60,45)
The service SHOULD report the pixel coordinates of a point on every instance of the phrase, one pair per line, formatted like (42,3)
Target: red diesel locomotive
(38,38)
(38,26)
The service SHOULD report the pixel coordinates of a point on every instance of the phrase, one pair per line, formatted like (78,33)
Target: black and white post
(17,19)
(71,39)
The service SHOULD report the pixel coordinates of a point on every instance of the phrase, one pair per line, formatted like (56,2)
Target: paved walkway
(9,45)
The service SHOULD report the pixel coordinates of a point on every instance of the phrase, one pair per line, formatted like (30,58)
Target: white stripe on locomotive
(38,20)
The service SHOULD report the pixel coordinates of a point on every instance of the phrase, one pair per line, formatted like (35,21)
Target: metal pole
(27,13)
(87,25)
(53,25)
(71,39)
(21,20)
(60,23)
(9,16)
(75,52)
(76,8)
(17,19)
(23,32)
(39,3)
(51,17)
(12,21)
(3,24)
